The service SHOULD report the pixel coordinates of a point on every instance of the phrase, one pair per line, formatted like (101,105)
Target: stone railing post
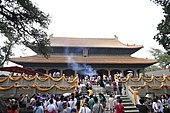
(135,93)
(164,88)
(146,87)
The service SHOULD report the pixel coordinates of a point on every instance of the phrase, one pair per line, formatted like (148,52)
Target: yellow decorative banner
(134,80)
(157,78)
(49,88)
(6,88)
(152,87)
(38,87)
(42,79)
(4,79)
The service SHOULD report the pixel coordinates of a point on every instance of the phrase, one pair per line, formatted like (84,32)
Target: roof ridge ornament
(51,35)
(115,36)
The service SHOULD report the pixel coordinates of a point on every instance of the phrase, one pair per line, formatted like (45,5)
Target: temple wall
(80,51)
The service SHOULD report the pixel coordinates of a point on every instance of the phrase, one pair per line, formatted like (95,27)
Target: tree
(163,36)
(22,23)
(152,68)
(162,57)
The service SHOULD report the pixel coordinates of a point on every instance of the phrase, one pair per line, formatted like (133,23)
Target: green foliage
(161,2)
(163,36)
(152,68)
(162,57)
(21,22)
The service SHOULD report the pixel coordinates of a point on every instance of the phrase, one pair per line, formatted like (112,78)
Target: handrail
(133,95)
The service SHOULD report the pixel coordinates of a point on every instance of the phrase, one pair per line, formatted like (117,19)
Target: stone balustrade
(14,86)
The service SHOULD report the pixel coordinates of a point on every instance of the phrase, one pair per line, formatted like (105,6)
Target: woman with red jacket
(119,108)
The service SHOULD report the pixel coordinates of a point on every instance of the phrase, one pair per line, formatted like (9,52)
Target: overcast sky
(133,21)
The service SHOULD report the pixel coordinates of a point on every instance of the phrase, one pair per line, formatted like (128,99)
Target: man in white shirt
(79,88)
(85,109)
(39,108)
(51,107)
(97,108)
(155,106)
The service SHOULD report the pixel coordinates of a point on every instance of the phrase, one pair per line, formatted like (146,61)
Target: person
(79,88)
(101,99)
(104,101)
(73,110)
(110,79)
(101,83)
(114,84)
(38,108)
(66,108)
(58,74)
(104,80)
(50,107)
(167,104)
(44,102)
(13,109)
(155,106)
(98,80)
(91,102)
(150,110)
(82,100)
(149,100)
(77,106)
(90,91)
(119,108)
(120,86)
(160,104)
(115,101)
(142,108)
(168,100)
(32,101)
(72,102)
(54,74)
(22,102)
(85,109)
(110,101)
(59,104)
(97,108)
(163,99)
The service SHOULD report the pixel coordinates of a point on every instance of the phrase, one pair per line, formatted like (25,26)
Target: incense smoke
(82,69)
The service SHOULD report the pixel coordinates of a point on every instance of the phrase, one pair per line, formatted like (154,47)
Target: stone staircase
(128,105)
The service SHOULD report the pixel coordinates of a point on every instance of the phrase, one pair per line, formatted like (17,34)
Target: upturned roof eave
(122,47)
(34,59)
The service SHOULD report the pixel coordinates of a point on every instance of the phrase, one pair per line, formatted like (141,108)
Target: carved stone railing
(153,80)
(133,95)
(13,86)
(156,85)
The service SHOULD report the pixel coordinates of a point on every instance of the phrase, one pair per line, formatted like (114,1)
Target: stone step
(130,107)
(124,97)
(128,104)
(131,111)
(126,101)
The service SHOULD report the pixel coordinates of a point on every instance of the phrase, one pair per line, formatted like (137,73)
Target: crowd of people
(72,103)
(156,104)
(78,102)
(66,103)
